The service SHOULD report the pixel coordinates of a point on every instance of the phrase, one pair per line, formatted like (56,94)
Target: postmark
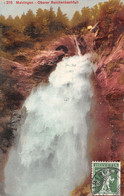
(106,178)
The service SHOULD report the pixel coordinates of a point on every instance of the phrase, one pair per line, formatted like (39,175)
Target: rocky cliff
(16,83)
(106,134)
(107,111)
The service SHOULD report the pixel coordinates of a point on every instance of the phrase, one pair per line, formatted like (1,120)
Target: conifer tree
(76,18)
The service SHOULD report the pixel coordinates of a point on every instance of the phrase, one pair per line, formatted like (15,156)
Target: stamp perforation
(106,181)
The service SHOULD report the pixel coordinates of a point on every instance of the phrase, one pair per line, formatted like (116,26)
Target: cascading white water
(78,49)
(50,156)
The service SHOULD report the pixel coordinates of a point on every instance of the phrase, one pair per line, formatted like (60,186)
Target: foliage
(107,12)
(76,19)
(102,13)
(46,23)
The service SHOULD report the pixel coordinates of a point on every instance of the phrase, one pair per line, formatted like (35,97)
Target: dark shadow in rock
(62,47)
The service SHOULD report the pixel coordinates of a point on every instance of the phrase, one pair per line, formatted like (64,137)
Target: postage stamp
(106,177)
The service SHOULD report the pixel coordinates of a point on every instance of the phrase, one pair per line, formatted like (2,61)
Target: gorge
(105,139)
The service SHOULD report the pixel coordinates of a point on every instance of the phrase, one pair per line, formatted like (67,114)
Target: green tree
(17,24)
(76,19)
(86,15)
(10,21)
(62,18)
(29,18)
(29,22)
(39,21)
(50,19)
(107,11)
(61,22)
(39,16)
(2,20)
(94,14)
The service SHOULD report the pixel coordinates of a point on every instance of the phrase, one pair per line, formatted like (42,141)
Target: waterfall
(78,49)
(49,155)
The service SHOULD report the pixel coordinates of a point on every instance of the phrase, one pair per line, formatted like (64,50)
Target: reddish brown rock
(107,111)
(85,43)
(16,83)
(44,63)
(66,44)
(110,88)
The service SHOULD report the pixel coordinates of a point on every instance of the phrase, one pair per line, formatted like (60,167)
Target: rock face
(108,137)
(109,89)
(66,44)
(107,112)
(16,83)
(43,64)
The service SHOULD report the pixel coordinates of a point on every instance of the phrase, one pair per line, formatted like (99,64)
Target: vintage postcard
(61,97)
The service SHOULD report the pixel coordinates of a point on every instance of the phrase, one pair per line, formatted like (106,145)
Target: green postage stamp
(106,178)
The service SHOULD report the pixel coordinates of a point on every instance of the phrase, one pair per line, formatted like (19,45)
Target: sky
(14,9)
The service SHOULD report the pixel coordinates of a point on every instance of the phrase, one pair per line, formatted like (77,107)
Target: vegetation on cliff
(34,30)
